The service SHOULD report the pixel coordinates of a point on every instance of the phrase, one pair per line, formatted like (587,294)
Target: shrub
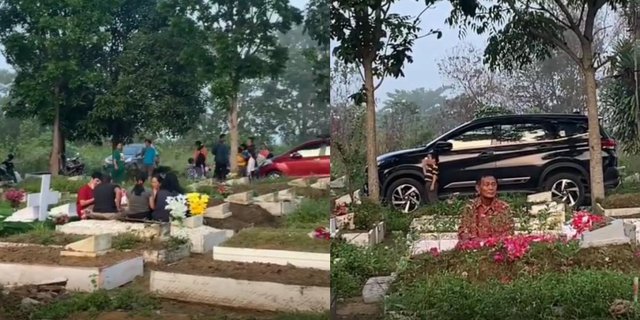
(351,265)
(310,214)
(577,295)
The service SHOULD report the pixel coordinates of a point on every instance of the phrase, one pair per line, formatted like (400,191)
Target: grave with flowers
(187,221)
(537,215)
(277,268)
(361,224)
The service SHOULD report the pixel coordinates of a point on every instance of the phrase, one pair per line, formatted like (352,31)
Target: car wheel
(567,188)
(405,194)
(274,175)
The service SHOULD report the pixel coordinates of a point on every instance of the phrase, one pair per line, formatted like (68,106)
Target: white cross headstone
(44,198)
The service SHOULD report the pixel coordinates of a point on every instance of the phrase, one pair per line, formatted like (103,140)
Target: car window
(310,151)
(524,133)
(474,138)
(568,129)
(131,150)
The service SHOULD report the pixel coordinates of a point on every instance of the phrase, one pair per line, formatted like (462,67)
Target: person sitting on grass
(85,199)
(486,216)
(139,200)
(108,199)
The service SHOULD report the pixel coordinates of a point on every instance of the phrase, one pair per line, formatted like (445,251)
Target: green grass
(311,214)
(278,239)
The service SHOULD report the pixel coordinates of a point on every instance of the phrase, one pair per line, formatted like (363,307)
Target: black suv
(526,153)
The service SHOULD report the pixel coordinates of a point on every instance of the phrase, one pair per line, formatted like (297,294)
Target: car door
(522,146)
(470,158)
(306,160)
(324,164)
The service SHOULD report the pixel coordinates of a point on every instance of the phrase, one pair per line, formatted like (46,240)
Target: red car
(312,158)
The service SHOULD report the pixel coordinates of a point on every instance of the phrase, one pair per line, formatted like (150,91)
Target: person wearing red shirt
(486,216)
(85,194)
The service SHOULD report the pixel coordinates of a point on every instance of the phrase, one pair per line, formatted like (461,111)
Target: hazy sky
(427,52)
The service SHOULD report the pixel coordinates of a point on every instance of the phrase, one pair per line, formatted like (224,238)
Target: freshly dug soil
(57,239)
(51,256)
(626,200)
(480,267)
(261,188)
(278,239)
(205,266)
(311,193)
(245,217)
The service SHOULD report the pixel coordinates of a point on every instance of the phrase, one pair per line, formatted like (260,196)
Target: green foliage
(367,32)
(489,111)
(352,266)
(576,295)
(316,25)
(620,97)
(311,213)
(175,242)
(367,214)
(125,241)
(99,301)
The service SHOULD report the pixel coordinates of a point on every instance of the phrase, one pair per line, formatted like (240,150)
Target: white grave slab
(618,232)
(376,288)
(28,214)
(542,197)
(202,238)
(68,209)
(96,227)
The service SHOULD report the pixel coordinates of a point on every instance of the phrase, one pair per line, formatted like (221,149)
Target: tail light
(608,144)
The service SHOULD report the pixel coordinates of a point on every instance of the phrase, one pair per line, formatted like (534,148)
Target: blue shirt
(149,156)
(221,153)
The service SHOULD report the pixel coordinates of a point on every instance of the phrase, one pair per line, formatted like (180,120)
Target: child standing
(430,171)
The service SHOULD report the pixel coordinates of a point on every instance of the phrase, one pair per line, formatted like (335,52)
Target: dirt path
(243,217)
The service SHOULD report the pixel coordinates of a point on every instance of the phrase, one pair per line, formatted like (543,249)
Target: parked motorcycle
(73,167)
(7,172)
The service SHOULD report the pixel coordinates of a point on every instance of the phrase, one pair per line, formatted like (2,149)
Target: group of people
(102,198)
(485,216)
(247,157)
(149,160)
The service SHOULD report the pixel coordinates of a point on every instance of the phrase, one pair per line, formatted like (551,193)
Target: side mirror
(443,146)
(295,155)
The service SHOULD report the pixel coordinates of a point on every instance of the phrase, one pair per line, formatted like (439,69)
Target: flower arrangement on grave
(14,197)
(506,249)
(341,209)
(183,206)
(197,203)
(222,192)
(321,233)
(585,221)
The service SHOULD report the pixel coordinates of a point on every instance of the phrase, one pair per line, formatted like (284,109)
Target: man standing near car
(221,154)
(149,157)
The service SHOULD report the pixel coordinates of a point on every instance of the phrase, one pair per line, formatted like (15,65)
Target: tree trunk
(54,161)
(372,150)
(595,148)
(234,136)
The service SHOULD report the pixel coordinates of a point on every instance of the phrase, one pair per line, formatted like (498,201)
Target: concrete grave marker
(90,247)
(44,198)
(542,197)
(618,232)
(376,288)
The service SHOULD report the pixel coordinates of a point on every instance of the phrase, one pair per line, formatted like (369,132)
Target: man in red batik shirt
(486,216)
(85,195)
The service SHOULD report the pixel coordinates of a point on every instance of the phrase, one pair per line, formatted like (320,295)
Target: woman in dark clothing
(139,199)
(163,188)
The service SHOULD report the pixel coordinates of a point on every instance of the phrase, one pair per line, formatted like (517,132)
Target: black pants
(220,171)
(432,195)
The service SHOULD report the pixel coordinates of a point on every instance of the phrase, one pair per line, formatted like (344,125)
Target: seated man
(108,199)
(85,195)
(486,216)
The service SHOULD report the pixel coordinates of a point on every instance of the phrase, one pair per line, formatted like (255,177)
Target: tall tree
(153,67)
(523,31)
(372,37)
(53,47)
(316,25)
(244,37)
